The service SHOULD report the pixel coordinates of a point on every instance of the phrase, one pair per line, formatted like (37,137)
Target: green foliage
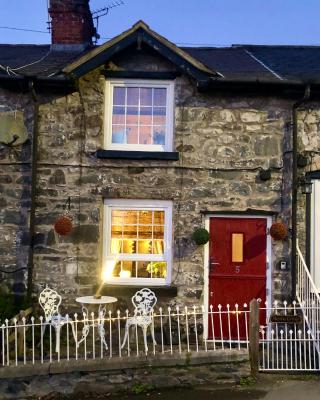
(247,381)
(10,304)
(138,388)
(201,236)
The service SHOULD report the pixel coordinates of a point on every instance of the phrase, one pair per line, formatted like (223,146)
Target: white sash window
(139,115)
(137,242)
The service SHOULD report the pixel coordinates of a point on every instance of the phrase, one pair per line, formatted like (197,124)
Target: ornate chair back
(144,301)
(50,301)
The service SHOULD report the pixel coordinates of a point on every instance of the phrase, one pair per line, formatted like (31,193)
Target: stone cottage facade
(150,142)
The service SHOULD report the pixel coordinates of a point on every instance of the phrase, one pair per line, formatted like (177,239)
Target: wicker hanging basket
(278,231)
(63,225)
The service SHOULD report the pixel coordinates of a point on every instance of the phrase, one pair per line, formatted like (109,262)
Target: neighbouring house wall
(15,189)
(309,146)
(223,141)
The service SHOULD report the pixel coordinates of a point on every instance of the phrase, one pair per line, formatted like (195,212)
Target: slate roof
(290,62)
(35,60)
(239,62)
(232,62)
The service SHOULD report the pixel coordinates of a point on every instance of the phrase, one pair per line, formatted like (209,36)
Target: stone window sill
(138,155)
(129,291)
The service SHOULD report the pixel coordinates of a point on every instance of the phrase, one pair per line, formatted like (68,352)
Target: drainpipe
(295,107)
(33,189)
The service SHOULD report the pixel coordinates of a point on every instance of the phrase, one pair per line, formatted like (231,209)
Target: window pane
(145,116)
(133,96)
(116,270)
(157,269)
(159,217)
(117,216)
(119,134)
(145,247)
(130,217)
(158,232)
(145,136)
(146,96)
(237,247)
(159,136)
(116,246)
(139,107)
(116,231)
(137,232)
(158,247)
(119,94)
(130,231)
(132,134)
(145,232)
(159,97)
(142,269)
(145,217)
(159,120)
(118,116)
(129,246)
(132,117)
(128,269)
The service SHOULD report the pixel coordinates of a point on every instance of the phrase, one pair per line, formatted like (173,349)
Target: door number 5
(237,269)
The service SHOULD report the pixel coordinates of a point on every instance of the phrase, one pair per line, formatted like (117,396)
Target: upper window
(137,242)
(139,115)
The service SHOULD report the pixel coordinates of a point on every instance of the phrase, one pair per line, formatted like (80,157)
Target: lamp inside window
(134,233)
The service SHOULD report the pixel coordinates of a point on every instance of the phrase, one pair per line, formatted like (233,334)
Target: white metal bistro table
(102,302)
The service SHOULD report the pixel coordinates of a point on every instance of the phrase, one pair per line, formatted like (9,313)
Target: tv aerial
(101,12)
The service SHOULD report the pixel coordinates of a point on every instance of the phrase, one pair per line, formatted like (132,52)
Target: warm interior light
(108,269)
(125,274)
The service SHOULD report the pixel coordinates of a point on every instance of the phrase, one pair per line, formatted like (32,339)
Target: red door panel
(237,269)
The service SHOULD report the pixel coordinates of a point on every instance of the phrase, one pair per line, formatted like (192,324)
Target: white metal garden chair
(50,301)
(143,301)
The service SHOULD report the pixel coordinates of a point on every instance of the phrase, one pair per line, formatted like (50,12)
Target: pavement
(266,387)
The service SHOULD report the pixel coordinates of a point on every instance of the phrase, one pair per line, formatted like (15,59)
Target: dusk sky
(206,22)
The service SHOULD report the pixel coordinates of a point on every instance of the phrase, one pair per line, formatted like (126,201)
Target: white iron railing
(287,346)
(176,330)
(309,299)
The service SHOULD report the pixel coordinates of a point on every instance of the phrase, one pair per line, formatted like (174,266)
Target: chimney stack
(71,24)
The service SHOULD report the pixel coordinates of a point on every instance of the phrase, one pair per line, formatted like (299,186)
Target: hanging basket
(278,231)
(201,236)
(63,225)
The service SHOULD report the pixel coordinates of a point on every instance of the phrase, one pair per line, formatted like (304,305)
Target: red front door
(237,266)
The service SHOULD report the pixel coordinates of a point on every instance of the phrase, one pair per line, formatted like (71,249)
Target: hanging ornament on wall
(278,231)
(200,236)
(64,224)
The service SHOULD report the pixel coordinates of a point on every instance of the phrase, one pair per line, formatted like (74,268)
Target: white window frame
(110,83)
(124,204)
(315,233)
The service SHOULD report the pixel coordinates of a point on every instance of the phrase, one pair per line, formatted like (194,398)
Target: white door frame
(206,261)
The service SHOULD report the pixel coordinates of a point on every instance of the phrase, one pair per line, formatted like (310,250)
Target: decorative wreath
(278,231)
(200,236)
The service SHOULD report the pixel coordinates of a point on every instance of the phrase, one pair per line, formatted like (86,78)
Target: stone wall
(308,146)
(15,190)
(103,377)
(223,141)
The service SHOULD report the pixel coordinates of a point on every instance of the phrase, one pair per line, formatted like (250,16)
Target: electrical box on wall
(282,265)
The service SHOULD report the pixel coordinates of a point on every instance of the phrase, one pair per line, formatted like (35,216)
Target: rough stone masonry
(223,140)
